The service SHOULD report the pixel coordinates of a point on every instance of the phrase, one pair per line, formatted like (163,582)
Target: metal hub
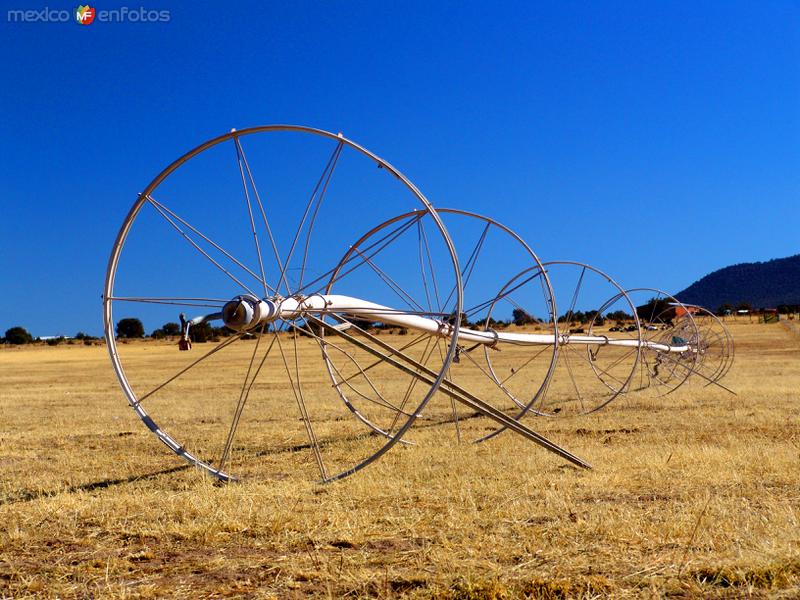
(247,312)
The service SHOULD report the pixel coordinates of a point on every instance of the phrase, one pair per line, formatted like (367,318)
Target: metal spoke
(243,396)
(214,350)
(338,152)
(201,302)
(486,304)
(298,396)
(385,310)
(386,240)
(580,355)
(621,358)
(655,301)
(260,204)
(414,342)
(513,302)
(325,177)
(426,354)
(644,367)
(165,212)
(383,402)
(571,311)
(469,266)
(525,364)
(548,295)
(430,265)
(250,214)
(572,377)
(453,410)
(422,267)
(393,285)
(497,383)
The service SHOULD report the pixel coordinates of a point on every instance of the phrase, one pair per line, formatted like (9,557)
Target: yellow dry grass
(694,494)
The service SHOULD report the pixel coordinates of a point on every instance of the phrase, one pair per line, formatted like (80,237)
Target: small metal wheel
(670,341)
(239,240)
(599,342)
(715,347)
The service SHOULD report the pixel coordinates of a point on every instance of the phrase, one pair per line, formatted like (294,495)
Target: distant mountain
(762,284)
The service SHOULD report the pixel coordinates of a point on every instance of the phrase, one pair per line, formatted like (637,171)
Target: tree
(619,316)
(18,336)
(724,309)
(655,309)
(167,329)
(573,317)
(451,319)
(788,309)
(200,333)
(594,316)
(520,317)
(130,328)
(171,328)
(494,324)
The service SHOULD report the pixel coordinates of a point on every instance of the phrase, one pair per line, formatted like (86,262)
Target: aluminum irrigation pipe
(248,312)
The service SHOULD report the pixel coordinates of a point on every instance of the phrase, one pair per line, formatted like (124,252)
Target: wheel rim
(340,145)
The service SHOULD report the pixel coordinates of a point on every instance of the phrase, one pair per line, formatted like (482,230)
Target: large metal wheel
(491,254)
(250,240)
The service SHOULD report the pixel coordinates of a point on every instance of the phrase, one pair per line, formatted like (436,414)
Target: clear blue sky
(658,143)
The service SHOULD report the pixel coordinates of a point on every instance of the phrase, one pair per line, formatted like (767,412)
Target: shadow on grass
(362,435)
(30,495)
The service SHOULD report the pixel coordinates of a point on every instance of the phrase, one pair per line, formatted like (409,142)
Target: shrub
(18,336)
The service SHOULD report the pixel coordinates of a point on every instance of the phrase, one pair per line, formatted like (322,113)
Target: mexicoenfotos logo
(84,15)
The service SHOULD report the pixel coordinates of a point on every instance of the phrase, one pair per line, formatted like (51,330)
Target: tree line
(18,336)
(133,328)
(784,309)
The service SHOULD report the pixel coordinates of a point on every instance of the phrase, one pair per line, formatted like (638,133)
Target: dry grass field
(696,494)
